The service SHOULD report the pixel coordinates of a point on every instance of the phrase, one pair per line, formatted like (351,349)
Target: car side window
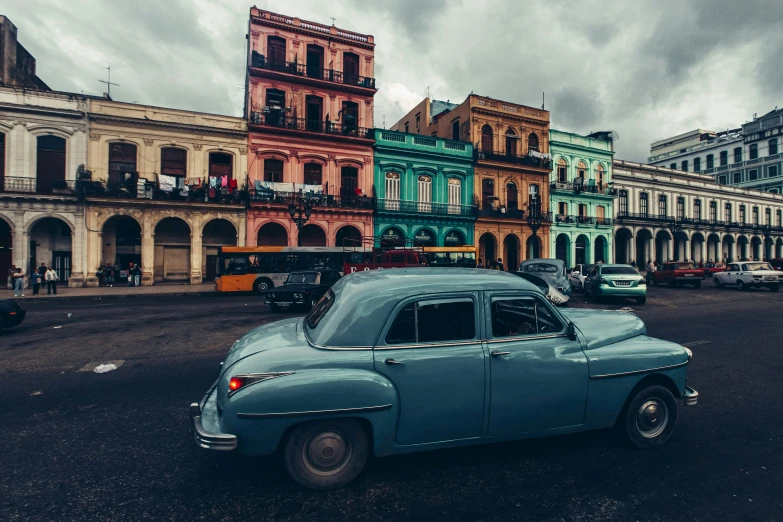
(517,316)
(434,321)
(593,272)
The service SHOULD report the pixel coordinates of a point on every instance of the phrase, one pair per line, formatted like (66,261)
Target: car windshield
(320,309)
(541,267)
(758,266)
(298,278)
(682,266)
(618,270)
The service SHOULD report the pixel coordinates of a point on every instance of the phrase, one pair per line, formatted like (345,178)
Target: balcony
(278,120)
(260,195)
(418,207)
(579,188)
(501,213)
(516,159)
(149,190)
(18,185)
(564,219)
(309,73)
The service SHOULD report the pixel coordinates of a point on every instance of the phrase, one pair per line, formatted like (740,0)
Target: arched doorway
(511,253)
(600,249)
(486,249)
(728,250)
(562,247)
(454,238)
(680,252)
(581,247)
(392,236)
(755,243)
(743,252)
(714,248)
(533,247)
(172,251)
(644,248)
(348,236)
(6,250)
(663,251)
(217,233)
(272,234)
(622,242)
(121,244)
(311,236)
(424,238)
(50,243)
(769,247)
(779,248)
(697,247)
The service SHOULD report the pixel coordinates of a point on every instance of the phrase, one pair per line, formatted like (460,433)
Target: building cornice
(292,27)
(508,117)
(157,124)
(42,111)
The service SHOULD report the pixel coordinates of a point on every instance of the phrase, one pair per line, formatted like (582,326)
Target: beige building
(166,188)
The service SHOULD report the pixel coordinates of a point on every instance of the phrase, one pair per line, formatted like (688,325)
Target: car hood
(604,327)
(296,287)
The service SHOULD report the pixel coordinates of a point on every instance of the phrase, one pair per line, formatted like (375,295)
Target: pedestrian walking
(650,269)
(42,269)
(109,274)
(51,281)
(17,280)
(137,275)
(500,265)
(480,263)
(130,274)
(35,281)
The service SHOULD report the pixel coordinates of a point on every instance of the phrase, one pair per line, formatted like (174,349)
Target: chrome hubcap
(326,452)
(652,418)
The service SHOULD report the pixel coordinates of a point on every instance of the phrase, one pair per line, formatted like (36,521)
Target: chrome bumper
(205,439)
(690,396)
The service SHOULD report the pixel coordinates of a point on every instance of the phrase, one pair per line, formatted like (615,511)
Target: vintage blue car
(404,360)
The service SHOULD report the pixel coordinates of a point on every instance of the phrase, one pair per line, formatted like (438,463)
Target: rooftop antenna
(543,100)
(333,20)
(109,83)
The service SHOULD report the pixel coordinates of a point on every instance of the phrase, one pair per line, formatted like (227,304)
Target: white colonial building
(667,214)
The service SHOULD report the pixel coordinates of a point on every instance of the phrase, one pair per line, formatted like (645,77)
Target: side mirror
(571,331)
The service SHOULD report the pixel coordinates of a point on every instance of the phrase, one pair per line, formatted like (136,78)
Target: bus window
(234,265)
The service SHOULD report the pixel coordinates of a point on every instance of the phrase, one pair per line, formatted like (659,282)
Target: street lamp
(534,221)
(300,214)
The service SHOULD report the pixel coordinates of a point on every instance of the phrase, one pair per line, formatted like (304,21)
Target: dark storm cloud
(647,68)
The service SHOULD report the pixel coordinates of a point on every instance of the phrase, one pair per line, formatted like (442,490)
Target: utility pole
(109,83)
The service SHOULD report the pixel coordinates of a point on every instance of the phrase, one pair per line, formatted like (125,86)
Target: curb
(121,296)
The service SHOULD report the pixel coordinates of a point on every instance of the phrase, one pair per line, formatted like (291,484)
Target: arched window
(122,163)
(599,177)
(455,195)
(312,173)
(392,200)
(50,169)
(486,138)
(511,196)
(511,143)
(581,171)
(532,142)
(425,194)
(562,171)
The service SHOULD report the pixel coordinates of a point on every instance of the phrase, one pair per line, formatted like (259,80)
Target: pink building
(309,106)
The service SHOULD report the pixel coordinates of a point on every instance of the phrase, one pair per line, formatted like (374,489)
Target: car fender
(262,414)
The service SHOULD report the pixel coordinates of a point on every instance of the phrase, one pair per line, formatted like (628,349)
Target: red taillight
(235,383)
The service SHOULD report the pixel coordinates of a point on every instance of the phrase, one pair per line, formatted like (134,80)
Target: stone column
(147,256)
(78,255)
(195,256)
(93,257)
(631,250)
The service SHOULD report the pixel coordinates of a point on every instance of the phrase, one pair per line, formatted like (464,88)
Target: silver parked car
(554,296)
(553,271)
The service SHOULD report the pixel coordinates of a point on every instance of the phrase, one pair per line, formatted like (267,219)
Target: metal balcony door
(392,191)
(455,196)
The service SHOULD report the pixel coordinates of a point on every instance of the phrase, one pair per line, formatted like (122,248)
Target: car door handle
(496,353)
(392,361)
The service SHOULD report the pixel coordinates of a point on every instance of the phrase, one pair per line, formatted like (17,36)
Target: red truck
(677,274)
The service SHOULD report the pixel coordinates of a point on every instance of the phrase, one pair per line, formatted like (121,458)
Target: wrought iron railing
(131,190)
(517,159)
(581,187)
(512,213)
(418,207)
(316,200)
(34,186)
(277,118)
(260,61)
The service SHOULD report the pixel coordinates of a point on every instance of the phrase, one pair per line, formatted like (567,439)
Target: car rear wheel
(774,288)
(651,417)
(741,285)
(717,282)
(697,284)
(672,284)
(326,454)
(261,285)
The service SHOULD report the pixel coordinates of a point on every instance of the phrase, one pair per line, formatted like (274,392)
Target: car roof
(544,260)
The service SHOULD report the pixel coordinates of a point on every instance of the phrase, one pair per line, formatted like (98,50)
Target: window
(350,118)
(724,157)
(312,173)
(696,164)
(511,196)
(755,215)
(644,208)
(50,166)
(512,317)
(562,171)
(276,51)
(680,207)
(662,200)
(406,127)
(696,209)
(433,322)
(685,165)
(351,68)
(727,213)
(418,122)
(173,162)
(455,195)
(713,211)
(273,170)
(314,113)
(532,142)
(581,172)
(392,191)
(2,159)
(315,61)
(754,151)
(742,217)
(582,210)
(772,171)
(511,143)
(534,203)
(673,166)
(623,202)
(425,194)
(562,208)
(600,213)
(599,177)
(768,216)
(773,146)
(737,177)
(779,218)
(753,175)
(455,130)
(722,180)
(349,182)
(122,163)
(486,138)
(220,164)
(737,155)
(710,161)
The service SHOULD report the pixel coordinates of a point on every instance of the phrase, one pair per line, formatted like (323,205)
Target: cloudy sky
(647,69)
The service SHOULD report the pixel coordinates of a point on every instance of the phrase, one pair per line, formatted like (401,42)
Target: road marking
(696,343)
(91,366)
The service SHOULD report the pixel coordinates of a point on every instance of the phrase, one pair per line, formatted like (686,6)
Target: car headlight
(689,352)
(297,296)
(272,296)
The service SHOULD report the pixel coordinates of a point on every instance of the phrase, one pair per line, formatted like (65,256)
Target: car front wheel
(326,454)
(651,417)
(774,288)
(717,282)
(741,285)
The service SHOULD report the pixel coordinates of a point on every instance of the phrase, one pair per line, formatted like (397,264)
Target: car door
(728,276)
(538,375)
(431,351)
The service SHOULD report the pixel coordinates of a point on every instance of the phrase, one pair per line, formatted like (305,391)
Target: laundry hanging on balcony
(540,155)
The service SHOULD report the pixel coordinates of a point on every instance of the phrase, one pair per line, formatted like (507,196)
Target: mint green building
(582,195)
(424,189)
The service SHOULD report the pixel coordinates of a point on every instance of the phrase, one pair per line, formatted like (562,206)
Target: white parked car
(749,274)
(578,275)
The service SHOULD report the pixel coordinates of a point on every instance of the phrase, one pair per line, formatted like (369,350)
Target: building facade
(511,170)
(665,214)
(582,197)
(309,104)
(43,142)
(424,189)
(165,189)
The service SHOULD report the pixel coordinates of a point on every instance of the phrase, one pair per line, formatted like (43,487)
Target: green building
(424,189)
(581,195)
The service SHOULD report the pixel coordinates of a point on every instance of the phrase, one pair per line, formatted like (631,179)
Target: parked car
(749,274)
(301,289)
(553,294)
(553,271)
(616,281)
(713,268)
(11,314)
(678,274)
(411,359)
(578,275)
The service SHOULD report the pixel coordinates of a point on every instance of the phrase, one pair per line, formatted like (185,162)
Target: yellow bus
(460,257)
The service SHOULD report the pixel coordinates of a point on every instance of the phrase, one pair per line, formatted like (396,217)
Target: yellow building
(511,170)
(164,188)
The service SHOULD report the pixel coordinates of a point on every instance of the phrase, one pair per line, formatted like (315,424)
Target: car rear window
(541,267)
(619,270)
(682,266)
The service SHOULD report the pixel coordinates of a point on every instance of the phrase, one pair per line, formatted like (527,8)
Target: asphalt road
(75,445)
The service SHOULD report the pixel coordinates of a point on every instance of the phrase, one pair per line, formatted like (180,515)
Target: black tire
(697,284)
(741,285)
(2,324)
(260,286)
(671,284)
(650,417)
(774,288)
(275,307)
(326,454)
(717,282)
(641,300)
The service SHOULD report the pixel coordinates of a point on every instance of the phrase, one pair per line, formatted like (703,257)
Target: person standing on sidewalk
(17,280)
(137,275)
(109,273)
(130,274)
(35,281)
(51,281)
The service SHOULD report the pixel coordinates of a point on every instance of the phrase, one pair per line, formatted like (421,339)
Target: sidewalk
(114,292)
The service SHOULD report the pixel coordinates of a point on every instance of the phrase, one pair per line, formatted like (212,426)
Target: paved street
(116,446)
